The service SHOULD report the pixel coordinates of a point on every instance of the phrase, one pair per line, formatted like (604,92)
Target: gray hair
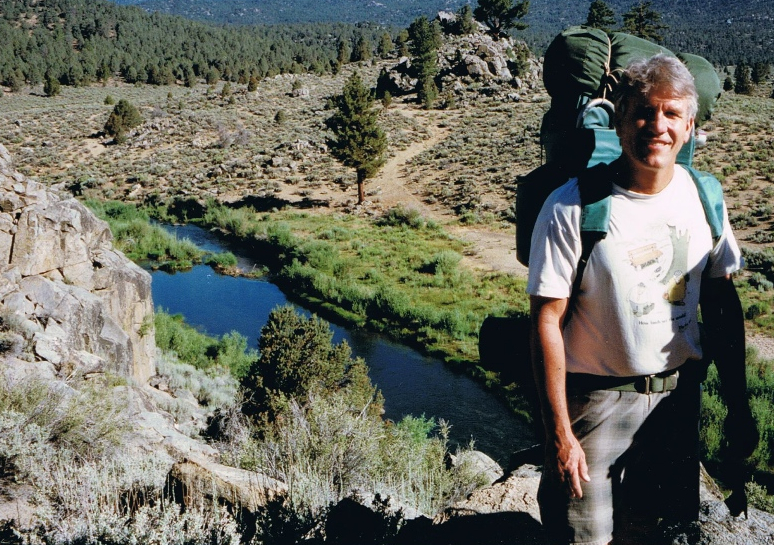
(642,76)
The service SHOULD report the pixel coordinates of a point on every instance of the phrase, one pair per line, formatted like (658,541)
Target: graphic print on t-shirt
(659,267)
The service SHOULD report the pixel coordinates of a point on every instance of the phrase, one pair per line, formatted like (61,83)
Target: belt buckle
(647,390)
(655,384)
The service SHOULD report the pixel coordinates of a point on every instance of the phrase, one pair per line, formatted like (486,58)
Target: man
(618,368)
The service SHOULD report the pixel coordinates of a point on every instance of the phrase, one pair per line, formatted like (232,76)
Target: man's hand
(550,378)
(724,325)
(741,432)
(571,465)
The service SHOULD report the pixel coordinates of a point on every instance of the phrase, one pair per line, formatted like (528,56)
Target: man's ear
(690,131)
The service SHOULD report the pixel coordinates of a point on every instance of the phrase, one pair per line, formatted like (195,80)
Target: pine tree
(743,84)
(51,86)
(124,116)
(760,71)
(362,50)
(358,141)
(385,46)
(501,15)
(465,22)
(343,53)
(401,43)
(425,39)
(643,21)
(601,16)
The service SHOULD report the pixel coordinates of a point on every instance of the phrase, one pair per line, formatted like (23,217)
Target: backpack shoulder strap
(711,196)
(595,187)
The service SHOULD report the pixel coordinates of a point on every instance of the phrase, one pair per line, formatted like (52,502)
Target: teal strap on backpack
(596,186)
(711,196)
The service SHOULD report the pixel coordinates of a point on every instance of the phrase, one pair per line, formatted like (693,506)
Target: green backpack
(581,69)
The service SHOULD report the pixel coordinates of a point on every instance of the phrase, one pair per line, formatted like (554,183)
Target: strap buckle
(655,384)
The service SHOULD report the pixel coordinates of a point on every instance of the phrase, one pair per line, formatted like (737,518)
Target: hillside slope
(722,31)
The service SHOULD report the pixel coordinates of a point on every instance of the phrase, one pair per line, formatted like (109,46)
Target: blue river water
(412,384)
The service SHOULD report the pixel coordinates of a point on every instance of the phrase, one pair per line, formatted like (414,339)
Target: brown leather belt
(647,384)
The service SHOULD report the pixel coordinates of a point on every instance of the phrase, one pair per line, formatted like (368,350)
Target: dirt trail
(491,250)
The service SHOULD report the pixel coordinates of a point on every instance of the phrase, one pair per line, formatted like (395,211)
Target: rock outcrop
(502,65)
(83,306)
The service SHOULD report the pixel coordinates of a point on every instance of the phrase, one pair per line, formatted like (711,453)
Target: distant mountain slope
(722,30)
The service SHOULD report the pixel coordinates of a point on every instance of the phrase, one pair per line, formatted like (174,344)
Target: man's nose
(658,122)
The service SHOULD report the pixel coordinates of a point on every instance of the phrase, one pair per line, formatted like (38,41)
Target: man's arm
(723,320)
(548,361)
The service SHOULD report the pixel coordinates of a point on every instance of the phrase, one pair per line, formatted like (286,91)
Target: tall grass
(401,274)
(201,351)
(325,451)
(140,240)
(88,486)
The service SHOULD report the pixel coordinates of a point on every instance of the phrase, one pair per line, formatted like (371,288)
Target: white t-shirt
(636,311)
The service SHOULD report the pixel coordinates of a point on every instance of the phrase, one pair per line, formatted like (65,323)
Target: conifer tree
(465,22)
(358,141)
(760,71)
(643,21)
(501,15)
(743,84)
(401,43)
(362,50)
(425,39)
(601,16)
(385,46)
(343,53)
(51,86)
(124,116)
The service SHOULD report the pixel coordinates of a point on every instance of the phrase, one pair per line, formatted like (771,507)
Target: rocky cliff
(82,306)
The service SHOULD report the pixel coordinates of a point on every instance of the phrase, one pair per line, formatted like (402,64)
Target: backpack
(578,139)
(580,71)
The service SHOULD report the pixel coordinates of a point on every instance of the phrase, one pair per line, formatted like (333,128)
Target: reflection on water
(410,382)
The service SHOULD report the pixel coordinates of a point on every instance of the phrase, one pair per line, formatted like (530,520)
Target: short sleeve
(555,247)
(725,257)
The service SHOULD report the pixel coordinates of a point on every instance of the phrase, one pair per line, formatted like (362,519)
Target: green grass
(202,351)
(401,278)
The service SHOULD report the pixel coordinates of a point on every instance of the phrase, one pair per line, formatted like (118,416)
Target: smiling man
(619,364)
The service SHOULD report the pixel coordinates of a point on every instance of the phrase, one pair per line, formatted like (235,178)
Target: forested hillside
(77,42)
(721,30)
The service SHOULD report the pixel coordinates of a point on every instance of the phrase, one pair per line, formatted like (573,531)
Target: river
(412,384)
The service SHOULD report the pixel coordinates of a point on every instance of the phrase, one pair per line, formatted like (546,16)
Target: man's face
(653,128)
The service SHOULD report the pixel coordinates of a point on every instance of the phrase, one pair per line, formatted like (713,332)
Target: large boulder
(201,478)
(82,305)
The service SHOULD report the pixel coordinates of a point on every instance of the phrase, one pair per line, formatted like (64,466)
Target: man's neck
(643,180)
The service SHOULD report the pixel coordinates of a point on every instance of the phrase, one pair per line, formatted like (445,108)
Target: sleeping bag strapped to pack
(581,69)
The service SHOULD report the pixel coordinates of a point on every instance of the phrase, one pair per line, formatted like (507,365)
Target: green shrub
(199,350)
(224,261)
(323,447)
(142,241)
(401,215)
(760,282)
(122,119)
(297,359)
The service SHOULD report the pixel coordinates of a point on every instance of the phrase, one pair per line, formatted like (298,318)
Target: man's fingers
(575,473)
(584,469)
(575,486)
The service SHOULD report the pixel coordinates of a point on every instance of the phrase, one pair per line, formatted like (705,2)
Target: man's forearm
(550,375)
(724,327)
(565,455)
